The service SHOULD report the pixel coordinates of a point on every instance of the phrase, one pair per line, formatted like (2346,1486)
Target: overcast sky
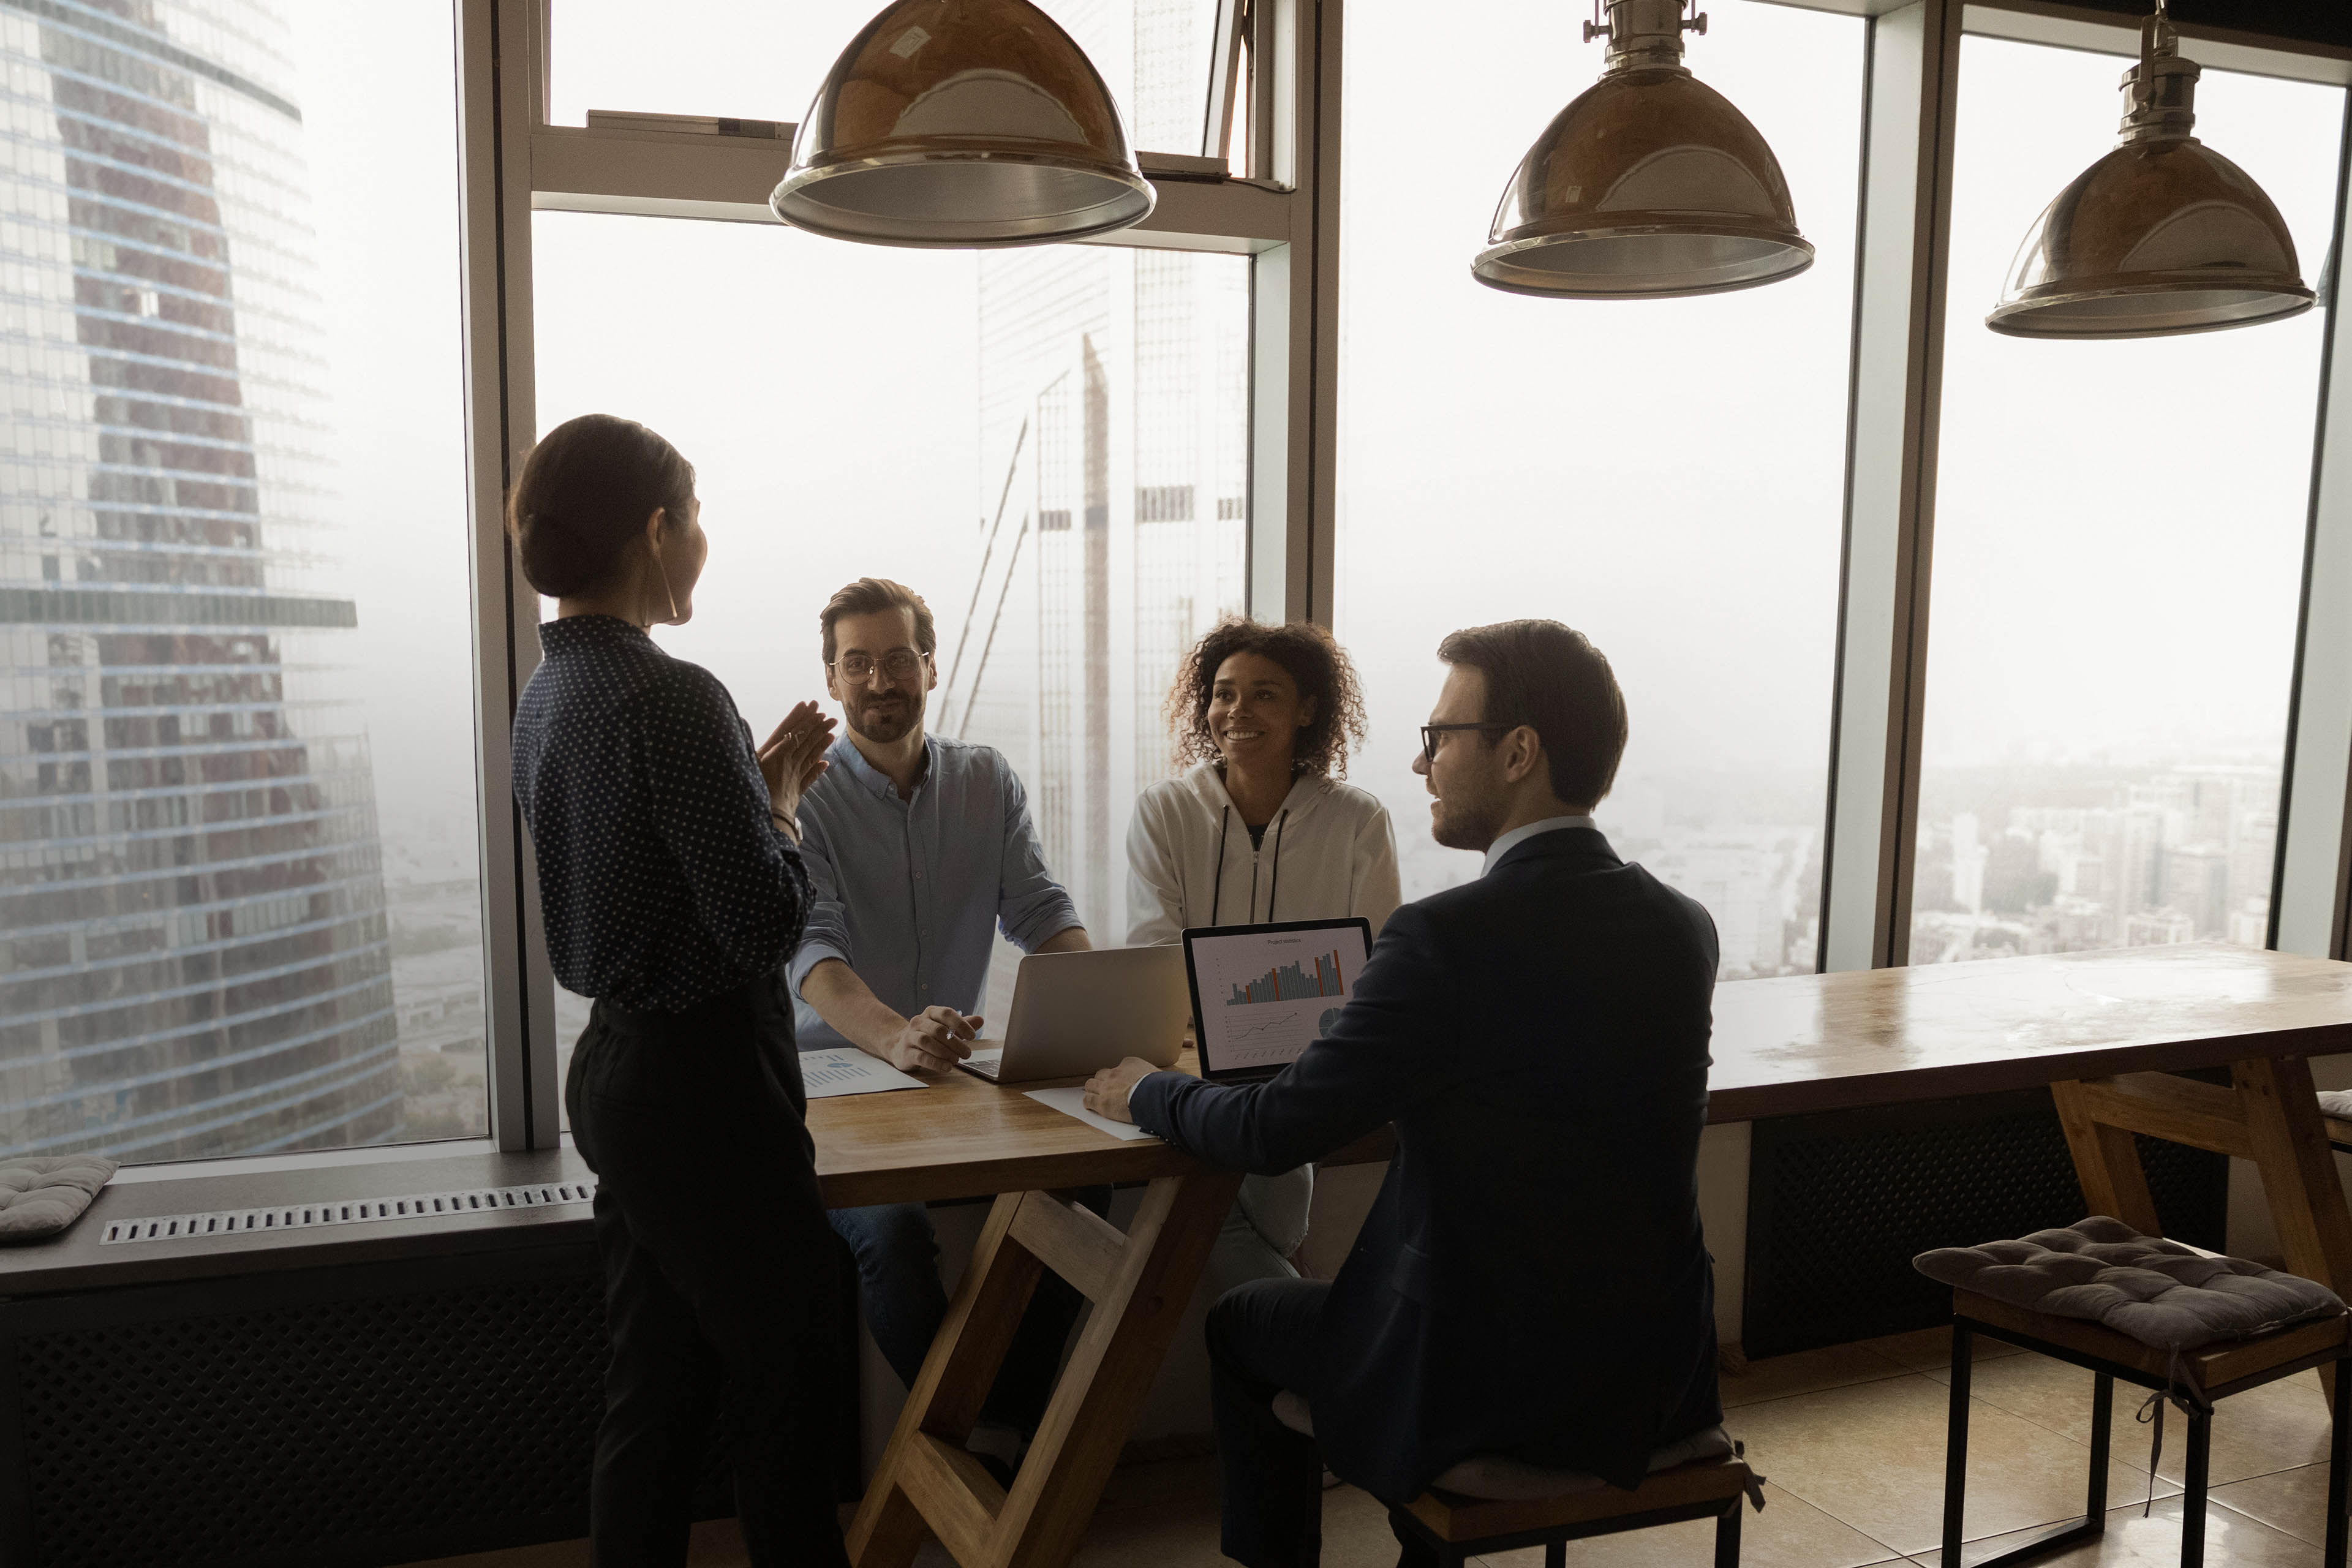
(2119,530)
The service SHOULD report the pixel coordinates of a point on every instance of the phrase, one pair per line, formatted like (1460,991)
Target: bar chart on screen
(1272,994)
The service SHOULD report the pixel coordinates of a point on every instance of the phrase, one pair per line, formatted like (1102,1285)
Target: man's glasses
(1428,733)
(899,664)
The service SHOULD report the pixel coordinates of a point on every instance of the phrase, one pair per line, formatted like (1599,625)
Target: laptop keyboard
(985,1063)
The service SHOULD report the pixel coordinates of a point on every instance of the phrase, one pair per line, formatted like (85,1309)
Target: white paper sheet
(849,1070)
(1071,1101)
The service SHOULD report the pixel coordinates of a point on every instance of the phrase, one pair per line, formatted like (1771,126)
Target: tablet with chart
(1262,995)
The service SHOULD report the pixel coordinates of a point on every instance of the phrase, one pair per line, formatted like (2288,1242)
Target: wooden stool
(1458,1527)
(1461,1528)
(2198,1377)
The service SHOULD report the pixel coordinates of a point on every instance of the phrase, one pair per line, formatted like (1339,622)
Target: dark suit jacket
(1532,1280)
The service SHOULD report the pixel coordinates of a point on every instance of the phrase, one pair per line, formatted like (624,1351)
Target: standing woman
(1261,829)
(671,884)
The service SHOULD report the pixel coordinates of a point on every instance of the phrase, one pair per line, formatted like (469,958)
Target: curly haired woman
(1261,829)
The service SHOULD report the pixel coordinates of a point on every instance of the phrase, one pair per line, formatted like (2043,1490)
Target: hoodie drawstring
(1274,893)
(1217,898)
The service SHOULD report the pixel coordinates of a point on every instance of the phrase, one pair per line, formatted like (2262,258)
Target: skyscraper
(1114,502)
(195,958)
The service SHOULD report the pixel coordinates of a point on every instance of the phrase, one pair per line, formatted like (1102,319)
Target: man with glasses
(1532,1281)
(918,849)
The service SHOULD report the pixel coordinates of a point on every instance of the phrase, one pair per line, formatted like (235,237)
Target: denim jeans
(897,1255)
(722,1283)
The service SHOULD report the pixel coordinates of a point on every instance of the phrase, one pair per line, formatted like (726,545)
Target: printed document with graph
(1262,995)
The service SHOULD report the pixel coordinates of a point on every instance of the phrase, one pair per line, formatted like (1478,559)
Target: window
(2117,555)
(238,873)
(765,61)
(1049,445)
(1665,476)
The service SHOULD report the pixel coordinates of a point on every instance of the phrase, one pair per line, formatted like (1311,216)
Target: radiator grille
(342,1210)
(288,1435)
(1840,1204)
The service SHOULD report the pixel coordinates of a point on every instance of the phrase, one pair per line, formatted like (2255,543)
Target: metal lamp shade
(2155,238)
(962,123)
(1650,185)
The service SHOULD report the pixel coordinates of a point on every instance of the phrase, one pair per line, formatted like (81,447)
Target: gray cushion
(1500,1476)
(2335,1102)
(40,1197)
(2159,1292)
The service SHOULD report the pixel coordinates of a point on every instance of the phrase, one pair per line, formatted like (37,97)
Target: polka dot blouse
(661,881)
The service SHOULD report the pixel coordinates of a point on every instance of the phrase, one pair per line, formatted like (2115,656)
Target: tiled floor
(1852,1440)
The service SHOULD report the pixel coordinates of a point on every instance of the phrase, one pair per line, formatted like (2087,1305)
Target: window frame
(1870,856)
(515,162)
(1285,215)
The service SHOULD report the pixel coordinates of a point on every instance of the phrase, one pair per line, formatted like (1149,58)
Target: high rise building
(1114,499)
(196,959)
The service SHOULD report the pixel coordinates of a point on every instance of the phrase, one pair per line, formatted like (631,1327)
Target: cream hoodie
(1330,853)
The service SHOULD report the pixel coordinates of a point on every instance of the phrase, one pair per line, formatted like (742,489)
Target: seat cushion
(39,1197)
(2335,1102)
(2156,1291)
(1498,1477)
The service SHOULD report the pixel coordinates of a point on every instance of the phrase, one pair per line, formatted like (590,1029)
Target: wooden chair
(2198,1378)
(1459,1526)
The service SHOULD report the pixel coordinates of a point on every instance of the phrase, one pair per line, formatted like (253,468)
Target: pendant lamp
(1649,186)
(2161,235)
(962,122)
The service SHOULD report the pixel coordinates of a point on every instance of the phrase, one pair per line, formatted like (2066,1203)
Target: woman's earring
(666,592)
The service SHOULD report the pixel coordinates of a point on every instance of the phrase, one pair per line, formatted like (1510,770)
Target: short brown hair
(871,596)
(1313,660)
(1552,679)
(583,497)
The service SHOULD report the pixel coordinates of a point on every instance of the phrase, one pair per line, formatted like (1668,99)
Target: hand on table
(1106,1091)
(933,1040)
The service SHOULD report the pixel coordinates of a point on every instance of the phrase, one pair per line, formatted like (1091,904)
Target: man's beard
(889,725)
(1459,824)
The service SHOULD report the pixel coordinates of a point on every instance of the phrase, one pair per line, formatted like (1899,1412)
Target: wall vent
(347,1211)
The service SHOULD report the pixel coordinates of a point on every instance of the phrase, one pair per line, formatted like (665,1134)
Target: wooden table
(2103,1030)
(962,1138)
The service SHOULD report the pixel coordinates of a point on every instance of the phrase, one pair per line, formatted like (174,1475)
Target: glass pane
(2118,554)
(239,883)
(765,62)
(1049,445)
(1665,476)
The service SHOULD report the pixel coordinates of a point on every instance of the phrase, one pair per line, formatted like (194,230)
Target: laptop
(1261,994)
(1076,1013)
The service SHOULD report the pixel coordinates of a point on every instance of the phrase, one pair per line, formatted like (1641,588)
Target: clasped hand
(794,757)
(933,1040)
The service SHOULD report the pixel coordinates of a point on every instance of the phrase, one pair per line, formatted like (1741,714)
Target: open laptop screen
(1262,995)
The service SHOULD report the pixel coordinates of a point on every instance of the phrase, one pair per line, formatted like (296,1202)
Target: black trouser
(1265,1337)
(722,1279)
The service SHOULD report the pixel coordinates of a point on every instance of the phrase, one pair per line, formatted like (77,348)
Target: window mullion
(2309,903)
(1890,485)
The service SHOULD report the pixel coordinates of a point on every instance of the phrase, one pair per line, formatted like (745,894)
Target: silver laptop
(1076,1013)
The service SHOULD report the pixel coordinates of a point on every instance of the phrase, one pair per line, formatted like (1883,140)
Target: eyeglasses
(1428,733)
(899,664)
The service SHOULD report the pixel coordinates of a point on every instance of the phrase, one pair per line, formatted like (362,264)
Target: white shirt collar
(1518,836)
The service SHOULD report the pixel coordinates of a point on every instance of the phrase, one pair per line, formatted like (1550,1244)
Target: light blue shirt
(909,893)
(1518,836)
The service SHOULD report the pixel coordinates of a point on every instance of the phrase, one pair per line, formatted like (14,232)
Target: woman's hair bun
(583,497)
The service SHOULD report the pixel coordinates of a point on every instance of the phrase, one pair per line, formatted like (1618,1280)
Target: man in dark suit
(1532,1280)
